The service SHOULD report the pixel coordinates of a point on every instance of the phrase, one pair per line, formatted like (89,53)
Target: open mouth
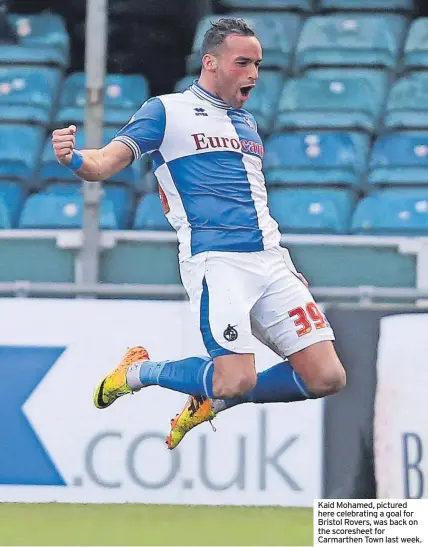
(245,90)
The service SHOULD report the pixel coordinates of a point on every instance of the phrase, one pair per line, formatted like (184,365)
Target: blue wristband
(76,161)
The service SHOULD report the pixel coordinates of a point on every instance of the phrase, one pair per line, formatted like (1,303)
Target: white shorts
(236,296)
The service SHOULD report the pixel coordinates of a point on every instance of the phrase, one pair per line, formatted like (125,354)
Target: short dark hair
(221,29)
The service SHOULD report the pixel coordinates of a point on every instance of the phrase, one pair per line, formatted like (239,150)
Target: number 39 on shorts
(307,318)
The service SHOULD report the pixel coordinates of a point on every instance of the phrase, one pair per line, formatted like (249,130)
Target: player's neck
(206,84)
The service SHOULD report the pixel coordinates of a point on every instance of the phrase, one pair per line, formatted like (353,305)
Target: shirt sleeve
(145,131)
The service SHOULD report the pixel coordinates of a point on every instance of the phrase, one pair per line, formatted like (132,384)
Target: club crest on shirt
(249,122)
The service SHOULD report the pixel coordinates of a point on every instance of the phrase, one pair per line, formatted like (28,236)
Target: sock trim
(204,378)
(299,385)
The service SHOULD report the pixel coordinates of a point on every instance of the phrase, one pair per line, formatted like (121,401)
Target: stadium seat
(406,106)
(43,41)
(406,6)
(416,47)
(42,30)
(315,159)
(123,96)
(150,215)
(28,56)
(318,103)
(13,194)
(379,80)
(393,212)
(51,211)
(369,40)
(400,159)
(5,222)
(51,170)
(120,196)
(14,139)
(277,33)
(28,95)
(325,211)
(265,5)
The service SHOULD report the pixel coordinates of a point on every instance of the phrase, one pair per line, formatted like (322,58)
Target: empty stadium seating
(400,159)
(43,41)
(267,5)
(123,96)
(277,32)
(149,214)
(311,211)
(393,212)
(335,119)
(315,159)
(368,5)
(120,196)
(58,211)
(369,40)
(378,80)
(406,106)
(14,139)
(28,94)
(327,103)
(416,47)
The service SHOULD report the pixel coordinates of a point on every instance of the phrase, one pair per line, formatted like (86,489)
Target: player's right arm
(96,165)
(144,133)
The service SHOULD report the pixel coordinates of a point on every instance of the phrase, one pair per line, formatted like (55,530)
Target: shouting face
(233,68)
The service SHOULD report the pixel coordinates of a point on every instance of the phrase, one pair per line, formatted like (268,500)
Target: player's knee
(234,385)
(328,381)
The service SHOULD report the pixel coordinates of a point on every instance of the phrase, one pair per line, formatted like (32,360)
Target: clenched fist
(63,142)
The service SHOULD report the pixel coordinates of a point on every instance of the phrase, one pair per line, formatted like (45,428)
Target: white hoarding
(58,447)
(401,408)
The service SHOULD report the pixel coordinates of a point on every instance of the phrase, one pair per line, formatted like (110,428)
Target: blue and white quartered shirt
(207,157)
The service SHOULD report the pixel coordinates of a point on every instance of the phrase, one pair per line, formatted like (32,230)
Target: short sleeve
(145,131)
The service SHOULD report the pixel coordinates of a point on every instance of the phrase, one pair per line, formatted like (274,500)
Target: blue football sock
(278,384)
(193,375)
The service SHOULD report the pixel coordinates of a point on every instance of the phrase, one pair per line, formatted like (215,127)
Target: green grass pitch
(131,524)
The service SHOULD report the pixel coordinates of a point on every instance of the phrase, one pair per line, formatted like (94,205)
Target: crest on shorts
(249,122)
(230,334)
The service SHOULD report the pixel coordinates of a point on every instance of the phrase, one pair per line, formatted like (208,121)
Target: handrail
(364,294)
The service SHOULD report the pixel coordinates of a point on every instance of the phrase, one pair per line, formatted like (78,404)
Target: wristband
(76,161)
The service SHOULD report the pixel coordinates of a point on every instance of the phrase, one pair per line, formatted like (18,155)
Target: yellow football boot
(114,384)
(196,411)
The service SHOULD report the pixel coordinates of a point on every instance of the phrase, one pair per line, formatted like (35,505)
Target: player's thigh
(222,293)
(286,318)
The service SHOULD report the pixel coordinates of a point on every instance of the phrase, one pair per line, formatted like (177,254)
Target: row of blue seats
(61,206)
(320,40)
(342,99)
(322,5)
(366,40)
(391,212)
(39,96)
(314,158)
(43,40)
(358,99)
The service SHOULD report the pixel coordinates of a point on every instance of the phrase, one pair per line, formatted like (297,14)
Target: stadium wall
(368,441)
(57,447)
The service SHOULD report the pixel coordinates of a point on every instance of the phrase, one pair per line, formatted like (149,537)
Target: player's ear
(209,62)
